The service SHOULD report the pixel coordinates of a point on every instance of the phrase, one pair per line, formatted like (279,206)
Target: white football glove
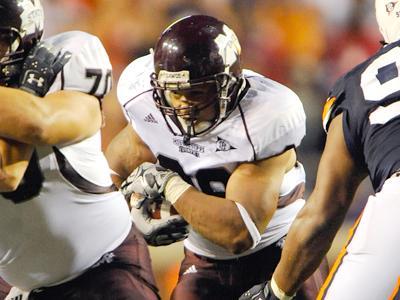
(265,291)
(148,180)
(166,230)
(259,292)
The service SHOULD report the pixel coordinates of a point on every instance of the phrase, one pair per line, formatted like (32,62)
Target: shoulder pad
(274,115)
(135,79)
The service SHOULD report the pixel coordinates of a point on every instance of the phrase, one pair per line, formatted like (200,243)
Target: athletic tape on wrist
(251,227)
(278,292)
(175,187)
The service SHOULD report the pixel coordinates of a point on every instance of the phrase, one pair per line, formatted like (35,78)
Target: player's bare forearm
(254,189)
(113,118)
(316,225)
(125,152)
(3,174)
(306,245)
(15,104)
(52,120)
(14,159)
(215,218)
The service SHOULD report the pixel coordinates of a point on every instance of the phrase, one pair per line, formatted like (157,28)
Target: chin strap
(225,100)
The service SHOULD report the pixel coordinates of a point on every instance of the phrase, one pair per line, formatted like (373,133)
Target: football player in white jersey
(65,230)
(225,142)
(362,121)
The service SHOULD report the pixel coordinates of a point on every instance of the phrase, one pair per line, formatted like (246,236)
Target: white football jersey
(269,119)
(65,214)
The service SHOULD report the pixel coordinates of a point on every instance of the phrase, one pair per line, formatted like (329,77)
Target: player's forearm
(217,219)
(311,234)
(9,180)
(126,152)
(21,119)
(3,174)
(60,118)
(309,239)
(14,159)
(234,222)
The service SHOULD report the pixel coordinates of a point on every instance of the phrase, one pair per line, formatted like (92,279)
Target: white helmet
(21,27)
(388,17)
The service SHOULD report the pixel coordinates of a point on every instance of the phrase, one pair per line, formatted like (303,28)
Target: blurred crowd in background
(304,44)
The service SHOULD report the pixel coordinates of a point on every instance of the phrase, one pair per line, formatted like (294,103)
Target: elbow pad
(251,227)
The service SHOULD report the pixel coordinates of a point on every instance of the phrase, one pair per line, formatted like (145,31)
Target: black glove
(40,68)
(261,291)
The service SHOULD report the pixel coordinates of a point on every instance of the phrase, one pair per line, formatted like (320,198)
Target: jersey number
(209,181)
(380,80)
(98,75)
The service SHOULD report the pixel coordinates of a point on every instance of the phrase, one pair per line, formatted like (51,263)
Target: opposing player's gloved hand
(40,68)
(148,180)
(260,292)
(166,230)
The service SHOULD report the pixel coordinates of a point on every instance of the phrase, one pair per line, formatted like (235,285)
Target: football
(161,209)
(156,209)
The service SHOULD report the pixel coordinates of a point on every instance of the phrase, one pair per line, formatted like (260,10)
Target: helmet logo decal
(388,18)
(390,7)
(32,16)
(24,30)
(229,47)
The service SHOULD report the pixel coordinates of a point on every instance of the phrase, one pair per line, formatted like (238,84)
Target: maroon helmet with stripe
(197,56)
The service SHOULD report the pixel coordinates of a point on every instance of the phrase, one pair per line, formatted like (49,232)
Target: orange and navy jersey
(368,96)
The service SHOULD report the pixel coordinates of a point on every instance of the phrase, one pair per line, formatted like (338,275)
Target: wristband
(278,292)
(112,172)
(251,227)
(174,188)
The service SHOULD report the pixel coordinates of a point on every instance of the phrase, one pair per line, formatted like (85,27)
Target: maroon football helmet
(21,27)
(199,57)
